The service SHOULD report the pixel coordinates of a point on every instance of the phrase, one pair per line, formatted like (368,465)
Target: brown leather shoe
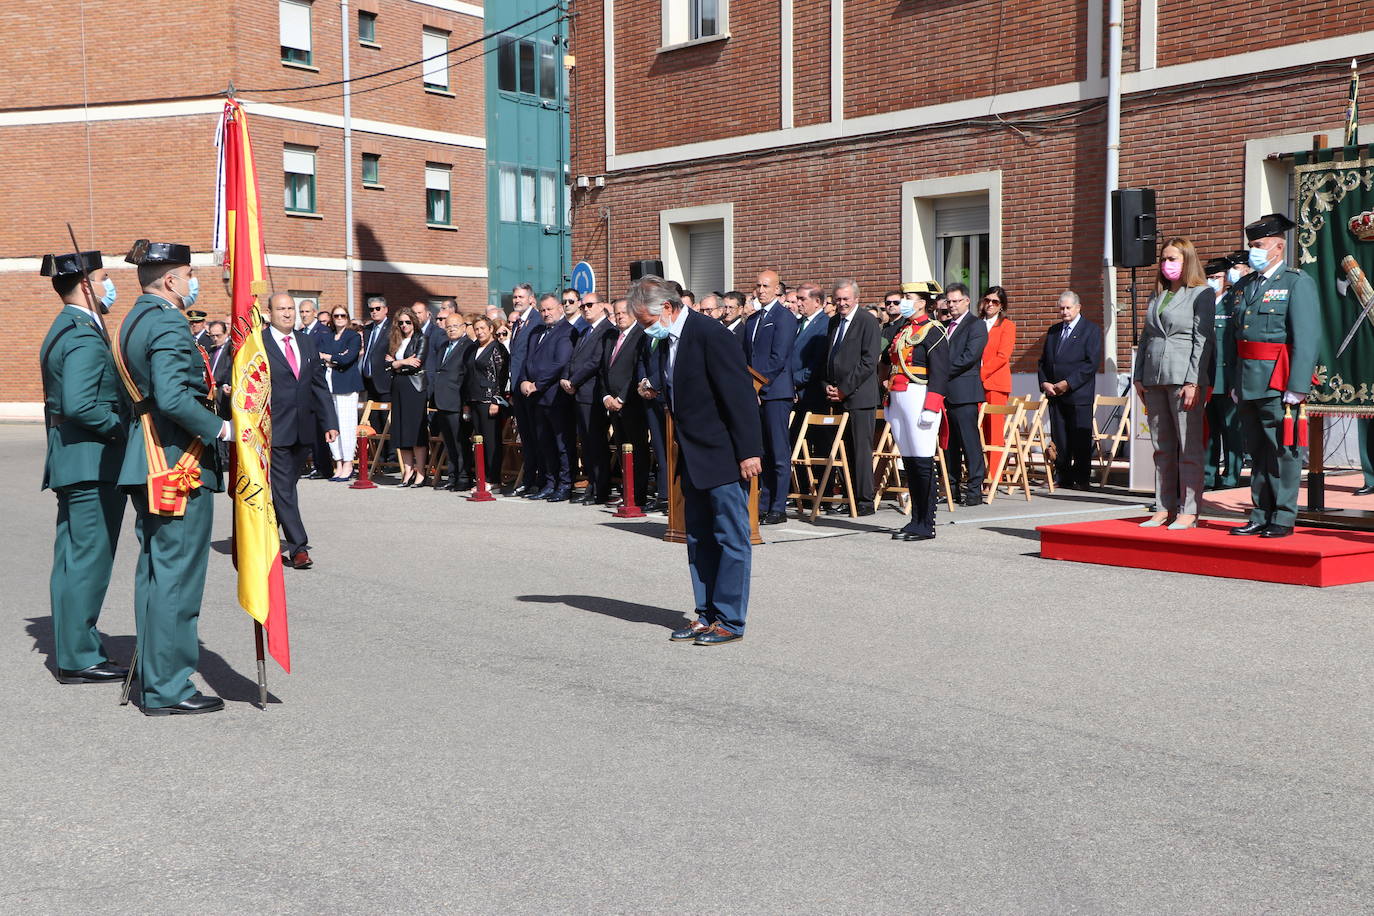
(301,560)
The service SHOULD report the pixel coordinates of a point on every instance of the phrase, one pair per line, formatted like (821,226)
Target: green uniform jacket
(83,402)
(1284,309)
(1224,354)
(166,365)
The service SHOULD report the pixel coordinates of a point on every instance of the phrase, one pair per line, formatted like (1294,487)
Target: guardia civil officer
(86,416)
(1277,333)
(173,401)
(1225,448)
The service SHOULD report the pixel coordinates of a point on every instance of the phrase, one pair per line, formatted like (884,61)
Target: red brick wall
(1192,31)
(811,62)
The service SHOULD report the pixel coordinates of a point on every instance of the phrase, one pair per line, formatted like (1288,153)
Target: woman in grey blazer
(1169,374)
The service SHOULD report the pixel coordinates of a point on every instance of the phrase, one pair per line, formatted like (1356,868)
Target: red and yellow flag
(238,234)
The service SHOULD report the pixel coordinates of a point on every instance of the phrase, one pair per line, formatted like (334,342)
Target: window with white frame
(528,213)
(548,198)
(294,26)
(372,170)
(304,295)
(951,230)
(506,181)
(694,20)
(437,194)
(367,28)
(697,244)
(962,243)
(434,49)
(298,163)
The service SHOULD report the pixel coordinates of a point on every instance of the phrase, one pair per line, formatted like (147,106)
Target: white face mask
(1216,284)
(1233,276)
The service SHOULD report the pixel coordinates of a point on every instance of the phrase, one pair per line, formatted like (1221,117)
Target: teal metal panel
(528,236)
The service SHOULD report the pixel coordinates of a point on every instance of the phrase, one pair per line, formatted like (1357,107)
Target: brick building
(892,140)
(109,122)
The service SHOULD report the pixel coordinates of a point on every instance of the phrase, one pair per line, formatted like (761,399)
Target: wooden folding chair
(1106,444)
(437,450)
(379,436)
(1009,458)
(803,462)
(887,466)
(1035,437)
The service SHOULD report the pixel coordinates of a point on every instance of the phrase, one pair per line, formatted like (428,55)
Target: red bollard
(627,475)
(364,481)
(479,456)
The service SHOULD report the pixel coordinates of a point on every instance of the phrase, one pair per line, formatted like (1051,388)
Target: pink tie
(291,357)
(616,349)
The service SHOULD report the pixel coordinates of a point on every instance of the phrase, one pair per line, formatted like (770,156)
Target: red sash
(1281,354)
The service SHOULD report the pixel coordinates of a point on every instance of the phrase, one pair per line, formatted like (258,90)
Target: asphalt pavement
(486,716)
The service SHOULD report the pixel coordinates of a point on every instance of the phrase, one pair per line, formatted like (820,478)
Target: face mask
(657,330)
(1172,270)
(108,299)
(906,309)
(1233,276)
(1215,283)
(1259,258)
(192,292)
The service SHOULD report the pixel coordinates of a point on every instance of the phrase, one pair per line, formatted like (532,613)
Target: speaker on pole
(640,269)
(1133,227)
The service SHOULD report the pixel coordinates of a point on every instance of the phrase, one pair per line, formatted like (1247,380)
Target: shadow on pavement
(648,528)
(1030,534)
(611,607)
(218,674)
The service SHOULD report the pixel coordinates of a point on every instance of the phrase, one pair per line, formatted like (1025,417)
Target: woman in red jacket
(996,371)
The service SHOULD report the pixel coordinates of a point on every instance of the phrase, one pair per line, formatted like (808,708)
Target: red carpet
(1312,556)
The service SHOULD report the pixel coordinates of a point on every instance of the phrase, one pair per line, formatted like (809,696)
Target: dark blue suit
(1073,359)
(593,423)
(376,379)
(651,368)
(546,364)
(716,426)
(770,338)
(520,337)
(300,405)
(347,354)
(963,392)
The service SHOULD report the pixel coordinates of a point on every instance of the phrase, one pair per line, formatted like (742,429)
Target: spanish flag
(238,235)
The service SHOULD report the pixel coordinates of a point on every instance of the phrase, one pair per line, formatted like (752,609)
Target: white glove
(227,431)
(1292,397)
(928,419)
(1236,398)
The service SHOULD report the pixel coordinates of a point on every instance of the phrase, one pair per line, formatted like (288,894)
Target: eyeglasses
(503,334)
(587,305)
(892,302)
(570,302)
(991,300)
(404,324)
(340,315)
(377,308)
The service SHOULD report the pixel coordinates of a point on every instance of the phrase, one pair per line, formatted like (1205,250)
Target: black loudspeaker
(645,269)
(1133,227)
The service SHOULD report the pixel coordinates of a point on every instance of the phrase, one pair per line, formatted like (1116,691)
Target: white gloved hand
(1236,398)
(1292,397)
(928,419)
(227,431)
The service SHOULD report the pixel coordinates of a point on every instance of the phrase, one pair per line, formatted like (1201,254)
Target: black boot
(921,485)
(912,472)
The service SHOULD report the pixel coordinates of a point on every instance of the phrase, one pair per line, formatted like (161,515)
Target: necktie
(839,336)
(291,356)
(618,341)
(449,351)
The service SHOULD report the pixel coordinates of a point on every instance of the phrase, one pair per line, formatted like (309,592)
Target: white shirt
(674,334)
(990,322)
(1069,328)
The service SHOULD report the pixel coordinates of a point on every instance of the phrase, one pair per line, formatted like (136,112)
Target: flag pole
(262,666)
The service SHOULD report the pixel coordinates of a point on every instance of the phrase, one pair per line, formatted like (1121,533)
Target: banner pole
(262,666)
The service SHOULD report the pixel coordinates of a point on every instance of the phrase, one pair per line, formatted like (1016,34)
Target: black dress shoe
(918,535)
(866,510)
(103,673)
(773,518)
(1276,531)
(542,494)
(193,705)
(516,491)
(686,634)
(1249,529)
(1363,491)
(558,496)
(450,487)
(972,501)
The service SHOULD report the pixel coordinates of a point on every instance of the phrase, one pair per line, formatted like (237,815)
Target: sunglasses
(404,324)
(503,334)
(893,302)
(992,300)
(570,302)
(377,308)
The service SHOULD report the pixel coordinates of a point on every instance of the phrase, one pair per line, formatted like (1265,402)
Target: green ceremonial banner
(1335,201)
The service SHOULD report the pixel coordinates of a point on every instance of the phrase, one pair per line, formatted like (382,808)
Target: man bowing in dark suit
(968,336)
(300,399)
(770,335)
(1068,370)
(716,427)
(855,341)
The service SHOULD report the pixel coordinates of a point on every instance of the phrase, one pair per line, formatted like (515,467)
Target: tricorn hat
(1238,258)
(928,288)
(146,252)
(65,265)
(1273,224)
(1217,266)
(646,268)
(195,315)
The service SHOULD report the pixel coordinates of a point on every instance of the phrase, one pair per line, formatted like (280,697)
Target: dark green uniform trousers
(168,587)
(89,516)
(1364,429)
(1224,444)
(1275,469)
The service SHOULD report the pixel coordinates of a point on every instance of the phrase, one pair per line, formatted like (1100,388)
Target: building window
(694,20)
(295,32)
(437,200)
(505,66)
(527,66)
(299,164)
(367,28)
(372,169)
(304,295)
(434,49)
(548,199)
(506,193)
(527,196)
(548,71)
(698,246)
(962,242)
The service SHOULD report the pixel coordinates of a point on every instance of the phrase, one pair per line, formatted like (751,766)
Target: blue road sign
(583,278)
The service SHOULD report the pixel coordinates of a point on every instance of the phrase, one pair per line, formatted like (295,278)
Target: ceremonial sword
(1364,294)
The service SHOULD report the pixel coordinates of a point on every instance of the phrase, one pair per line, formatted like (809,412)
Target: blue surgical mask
(906,309)
(1216,284)
(1233,276)
(657,330)
(192,292)
(1259,258)
(107,300)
